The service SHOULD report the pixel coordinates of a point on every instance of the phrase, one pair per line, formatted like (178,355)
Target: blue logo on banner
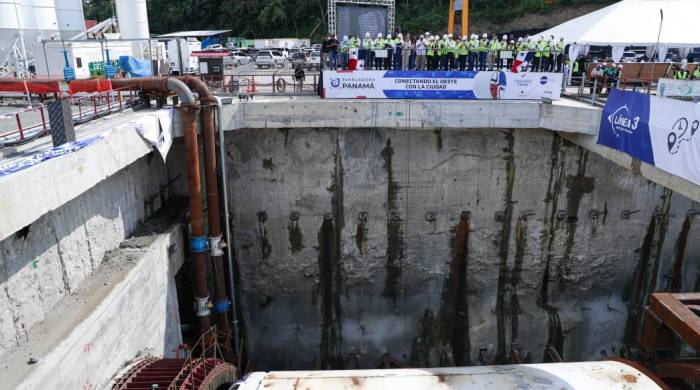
(544,80)
(624,125)
(335,83)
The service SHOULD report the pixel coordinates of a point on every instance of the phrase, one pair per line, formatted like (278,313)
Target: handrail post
(595,91)
(19,127)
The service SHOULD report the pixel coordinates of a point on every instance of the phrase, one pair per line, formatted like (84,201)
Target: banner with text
(661,132)
(404,84)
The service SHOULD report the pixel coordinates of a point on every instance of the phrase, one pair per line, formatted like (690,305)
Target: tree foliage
(307,18)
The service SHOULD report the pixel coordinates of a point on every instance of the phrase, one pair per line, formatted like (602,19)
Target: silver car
(269,59)
(237,58)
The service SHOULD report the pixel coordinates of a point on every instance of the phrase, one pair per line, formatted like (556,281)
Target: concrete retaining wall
(429,245)
(127,308)
(45,260)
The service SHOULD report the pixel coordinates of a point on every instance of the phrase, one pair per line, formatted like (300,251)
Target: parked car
(297,58)
(237,58)
(269,59)
(316,46)
(314,60)
(629,56)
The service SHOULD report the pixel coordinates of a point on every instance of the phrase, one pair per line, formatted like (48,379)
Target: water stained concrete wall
(430,245)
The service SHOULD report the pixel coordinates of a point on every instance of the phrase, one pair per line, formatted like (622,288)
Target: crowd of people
(447,52)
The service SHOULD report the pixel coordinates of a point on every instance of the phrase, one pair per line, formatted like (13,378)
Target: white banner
(683,88)
(674,130)
(402,84)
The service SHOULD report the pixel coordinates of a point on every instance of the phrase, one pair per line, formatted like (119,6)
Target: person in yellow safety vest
(682,74)
(429,53)
(366,53)
(520,46)
(377,45)
(559,51)
(452,52)
(442,52)
(510,48)
(537,61)
(696,73)
(462,53)
(483,50)
(473,45)
(493,48)
(389,46)
(547,56)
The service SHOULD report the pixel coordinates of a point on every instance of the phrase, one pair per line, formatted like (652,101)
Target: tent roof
(196,33)
(634,23)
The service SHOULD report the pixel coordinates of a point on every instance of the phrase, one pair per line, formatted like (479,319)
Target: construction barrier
(30,86)
(89,86)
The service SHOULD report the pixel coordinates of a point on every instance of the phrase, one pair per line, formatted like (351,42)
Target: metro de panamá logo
(622,121)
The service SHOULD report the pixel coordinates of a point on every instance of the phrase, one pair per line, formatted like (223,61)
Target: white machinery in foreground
(600,375)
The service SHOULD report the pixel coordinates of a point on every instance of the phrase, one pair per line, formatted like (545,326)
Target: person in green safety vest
(366,52)
(429,52)
(546,61)
(559,51)
(682,73)
(512,48)
(494,47)
(450,46)
(442,52)
(537,60)
(388,45)
(462,53)
(483,50)
(378,44)
(473,54)
(696,73)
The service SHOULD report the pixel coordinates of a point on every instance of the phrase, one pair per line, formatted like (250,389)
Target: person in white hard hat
(421,49)
(366,51)
(344,52)
(483,51)
(379,44)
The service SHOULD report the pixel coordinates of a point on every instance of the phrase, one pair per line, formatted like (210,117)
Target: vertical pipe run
(227,226)
(214,215)
(189,111)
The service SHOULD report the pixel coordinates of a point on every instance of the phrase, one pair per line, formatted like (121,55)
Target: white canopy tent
(633,23)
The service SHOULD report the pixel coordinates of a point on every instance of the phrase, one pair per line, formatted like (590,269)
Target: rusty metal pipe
(199,242)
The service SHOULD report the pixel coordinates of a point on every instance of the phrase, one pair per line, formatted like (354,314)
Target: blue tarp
(135,67)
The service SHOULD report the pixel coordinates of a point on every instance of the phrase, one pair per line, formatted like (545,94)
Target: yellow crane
(456,5)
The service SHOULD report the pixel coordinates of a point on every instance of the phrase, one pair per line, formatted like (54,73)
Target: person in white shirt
(421,50)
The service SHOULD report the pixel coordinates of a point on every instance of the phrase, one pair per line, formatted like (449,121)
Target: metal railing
(33,122)
(259,82)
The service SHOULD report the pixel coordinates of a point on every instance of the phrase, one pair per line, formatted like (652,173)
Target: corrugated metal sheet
(585,375)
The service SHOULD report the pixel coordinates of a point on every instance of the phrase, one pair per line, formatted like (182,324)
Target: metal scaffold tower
(333,18)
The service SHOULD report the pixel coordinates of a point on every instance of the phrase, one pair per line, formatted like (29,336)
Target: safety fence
(33,122)
(257,82)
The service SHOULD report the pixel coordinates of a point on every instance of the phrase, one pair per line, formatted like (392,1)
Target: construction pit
(364,234)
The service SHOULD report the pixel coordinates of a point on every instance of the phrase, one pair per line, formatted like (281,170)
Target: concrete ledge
(128,306)
(31,193)
(562,116)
